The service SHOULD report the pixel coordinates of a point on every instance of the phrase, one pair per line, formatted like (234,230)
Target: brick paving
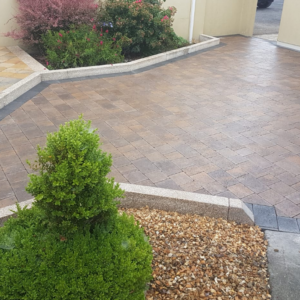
(12,69)
(224,122)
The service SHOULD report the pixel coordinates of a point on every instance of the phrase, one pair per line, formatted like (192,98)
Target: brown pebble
(204,258)
(276,250)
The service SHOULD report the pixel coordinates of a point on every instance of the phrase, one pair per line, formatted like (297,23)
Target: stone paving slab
(288,225)
(224,122)
(284,265)
(265,217)
(12,69)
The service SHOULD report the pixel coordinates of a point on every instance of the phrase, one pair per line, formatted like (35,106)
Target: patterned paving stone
(295,197)
(256,199)
(252,183)
(240,191)
(12,69)
(272,196)
(287,208)
(168,184)
(223,122)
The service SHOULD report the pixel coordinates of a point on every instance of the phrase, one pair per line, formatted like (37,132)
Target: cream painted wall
(289,31)
(248,17)
(222,17)
(182,17)
(215,17)
(212,17)
(7,9)
(199,18)
(226,17)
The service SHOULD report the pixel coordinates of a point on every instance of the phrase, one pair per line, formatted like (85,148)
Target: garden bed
(132,58)
(204,258)
(206,42)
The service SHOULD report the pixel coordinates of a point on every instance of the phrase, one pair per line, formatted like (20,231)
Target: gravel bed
(204,258)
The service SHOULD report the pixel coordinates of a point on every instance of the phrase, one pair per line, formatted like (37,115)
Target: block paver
(224,122)
(12,69)
(265,217)
(288,224)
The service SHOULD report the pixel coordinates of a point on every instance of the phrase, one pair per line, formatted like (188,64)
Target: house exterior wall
(212,17)
(182,17)
(248,13)
(222,17)
(215,17)
(8,8)
(227,17)
(289,31)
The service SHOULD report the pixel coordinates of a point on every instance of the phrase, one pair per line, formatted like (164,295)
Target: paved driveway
(224,122)
(267,20)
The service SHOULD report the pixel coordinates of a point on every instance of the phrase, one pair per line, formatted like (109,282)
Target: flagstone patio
(224,122)
(12,69)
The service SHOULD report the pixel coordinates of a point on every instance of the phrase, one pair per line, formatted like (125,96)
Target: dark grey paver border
(266,218)
(287,224)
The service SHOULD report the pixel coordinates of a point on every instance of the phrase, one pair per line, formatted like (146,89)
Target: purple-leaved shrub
(36,17)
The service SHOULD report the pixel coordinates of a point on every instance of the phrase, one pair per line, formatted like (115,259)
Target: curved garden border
(24,85)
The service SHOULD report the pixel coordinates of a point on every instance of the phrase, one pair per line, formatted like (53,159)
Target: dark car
(264,3)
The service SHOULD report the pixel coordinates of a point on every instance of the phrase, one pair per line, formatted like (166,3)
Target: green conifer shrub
(72,187)
(73,244)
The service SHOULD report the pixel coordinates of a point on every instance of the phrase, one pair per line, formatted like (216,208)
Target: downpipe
(192,19)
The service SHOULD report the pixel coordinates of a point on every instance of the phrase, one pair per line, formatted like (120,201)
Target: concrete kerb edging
(26,58)
(24,85)
(18,89)
(138,196)
(127,67)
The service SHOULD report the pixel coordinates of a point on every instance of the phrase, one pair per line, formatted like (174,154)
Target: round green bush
(71,186)
(73,244)
(110,261)
(146,23)
(80,47)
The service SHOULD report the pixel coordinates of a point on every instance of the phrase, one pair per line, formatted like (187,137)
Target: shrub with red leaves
(36,17)
(145,22)
(81,47)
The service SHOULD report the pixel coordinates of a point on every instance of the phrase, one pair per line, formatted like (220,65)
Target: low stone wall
(138,196)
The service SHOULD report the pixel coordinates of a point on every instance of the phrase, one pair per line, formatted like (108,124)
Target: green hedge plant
(73,244)
(80,47)
(145,22)
(111,261)
(72,187)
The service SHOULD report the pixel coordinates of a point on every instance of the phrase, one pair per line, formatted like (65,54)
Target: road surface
(267,20)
